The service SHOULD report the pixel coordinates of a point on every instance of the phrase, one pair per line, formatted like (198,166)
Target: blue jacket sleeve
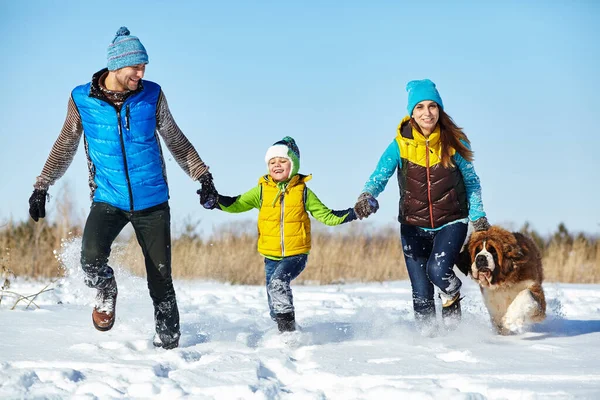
(472,185)
(388,162)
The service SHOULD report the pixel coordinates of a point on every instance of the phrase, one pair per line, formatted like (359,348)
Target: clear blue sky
(521,77)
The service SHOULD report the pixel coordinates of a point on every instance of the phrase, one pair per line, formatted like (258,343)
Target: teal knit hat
(125,51)
(286,148)
(419,91)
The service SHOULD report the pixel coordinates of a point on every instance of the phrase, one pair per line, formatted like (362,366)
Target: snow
(357,341)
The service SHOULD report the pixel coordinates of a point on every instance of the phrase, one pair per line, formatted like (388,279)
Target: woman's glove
(365,205)
(481,224)
(209,197)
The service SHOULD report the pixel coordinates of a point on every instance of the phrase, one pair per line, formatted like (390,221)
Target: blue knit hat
(421,90)
(285,148)
(125,51)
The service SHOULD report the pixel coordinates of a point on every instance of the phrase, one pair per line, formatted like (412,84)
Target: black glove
(37,204)
(366,205)
(209,197)
(481,224)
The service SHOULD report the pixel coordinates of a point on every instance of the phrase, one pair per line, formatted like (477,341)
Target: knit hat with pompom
(286,148)
(125,51)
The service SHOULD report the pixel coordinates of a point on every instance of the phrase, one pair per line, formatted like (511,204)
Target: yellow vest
(283,223)
(415,149)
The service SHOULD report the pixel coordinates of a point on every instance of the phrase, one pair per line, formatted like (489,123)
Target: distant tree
(190,231)
(582,237)
(536,237)
(562,235)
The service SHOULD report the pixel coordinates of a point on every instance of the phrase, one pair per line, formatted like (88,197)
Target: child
(283,200)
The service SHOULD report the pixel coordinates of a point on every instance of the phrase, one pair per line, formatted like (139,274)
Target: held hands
(37,204)
(209,197)
(365,205)
(481,224)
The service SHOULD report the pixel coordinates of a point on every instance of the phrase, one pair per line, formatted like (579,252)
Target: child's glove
(366,205)
(209,197)
(37,204)
(481,224)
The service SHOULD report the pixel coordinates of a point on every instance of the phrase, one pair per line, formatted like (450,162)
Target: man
(120,115)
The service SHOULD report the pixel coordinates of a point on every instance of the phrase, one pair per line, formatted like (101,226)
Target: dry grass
(229,255)
(232,257)
(578,262)
(335,258)
(28,249)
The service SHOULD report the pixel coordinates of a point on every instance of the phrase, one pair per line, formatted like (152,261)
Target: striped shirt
(64,149)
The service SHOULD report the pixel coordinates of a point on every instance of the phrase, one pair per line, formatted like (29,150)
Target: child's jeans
(279,274)
(430,257)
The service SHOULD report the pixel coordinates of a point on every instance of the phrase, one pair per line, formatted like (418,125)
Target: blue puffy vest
(127,164)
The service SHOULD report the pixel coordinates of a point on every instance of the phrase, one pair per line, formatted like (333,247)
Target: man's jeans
(279,274)
(153,231)
(430,257)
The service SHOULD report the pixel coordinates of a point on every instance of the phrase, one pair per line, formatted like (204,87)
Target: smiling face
(279,168)
(126,78)
(427,115)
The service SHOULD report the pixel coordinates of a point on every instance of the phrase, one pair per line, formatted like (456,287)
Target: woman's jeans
(279,274)
(153,231)
(430,257)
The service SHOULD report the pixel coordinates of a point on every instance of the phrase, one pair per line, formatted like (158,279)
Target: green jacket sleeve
(241,203)
(321,213)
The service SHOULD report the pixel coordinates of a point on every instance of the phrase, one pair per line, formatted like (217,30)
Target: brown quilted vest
(430,195)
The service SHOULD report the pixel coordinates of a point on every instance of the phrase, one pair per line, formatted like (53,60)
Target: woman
(439,194)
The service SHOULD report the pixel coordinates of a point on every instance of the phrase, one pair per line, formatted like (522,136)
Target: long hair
(450,137)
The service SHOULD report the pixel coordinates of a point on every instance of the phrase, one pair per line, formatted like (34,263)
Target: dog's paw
(512,327)
(504,331)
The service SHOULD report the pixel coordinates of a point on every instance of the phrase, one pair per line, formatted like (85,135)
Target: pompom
(123,31)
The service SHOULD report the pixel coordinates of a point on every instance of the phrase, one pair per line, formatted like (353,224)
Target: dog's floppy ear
(517,252)
(463,261)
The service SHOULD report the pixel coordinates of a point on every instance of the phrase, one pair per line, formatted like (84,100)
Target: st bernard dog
(508,268)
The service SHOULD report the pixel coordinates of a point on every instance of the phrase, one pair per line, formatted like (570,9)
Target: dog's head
(491,256)
(486,264)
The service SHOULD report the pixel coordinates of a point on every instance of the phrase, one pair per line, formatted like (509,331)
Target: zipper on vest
(125,157)
(428,183)
(127,117)
(282,225)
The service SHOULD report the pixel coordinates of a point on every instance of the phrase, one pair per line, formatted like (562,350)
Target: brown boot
(103,315)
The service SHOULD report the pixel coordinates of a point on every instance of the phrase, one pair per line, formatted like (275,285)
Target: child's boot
(286,322)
